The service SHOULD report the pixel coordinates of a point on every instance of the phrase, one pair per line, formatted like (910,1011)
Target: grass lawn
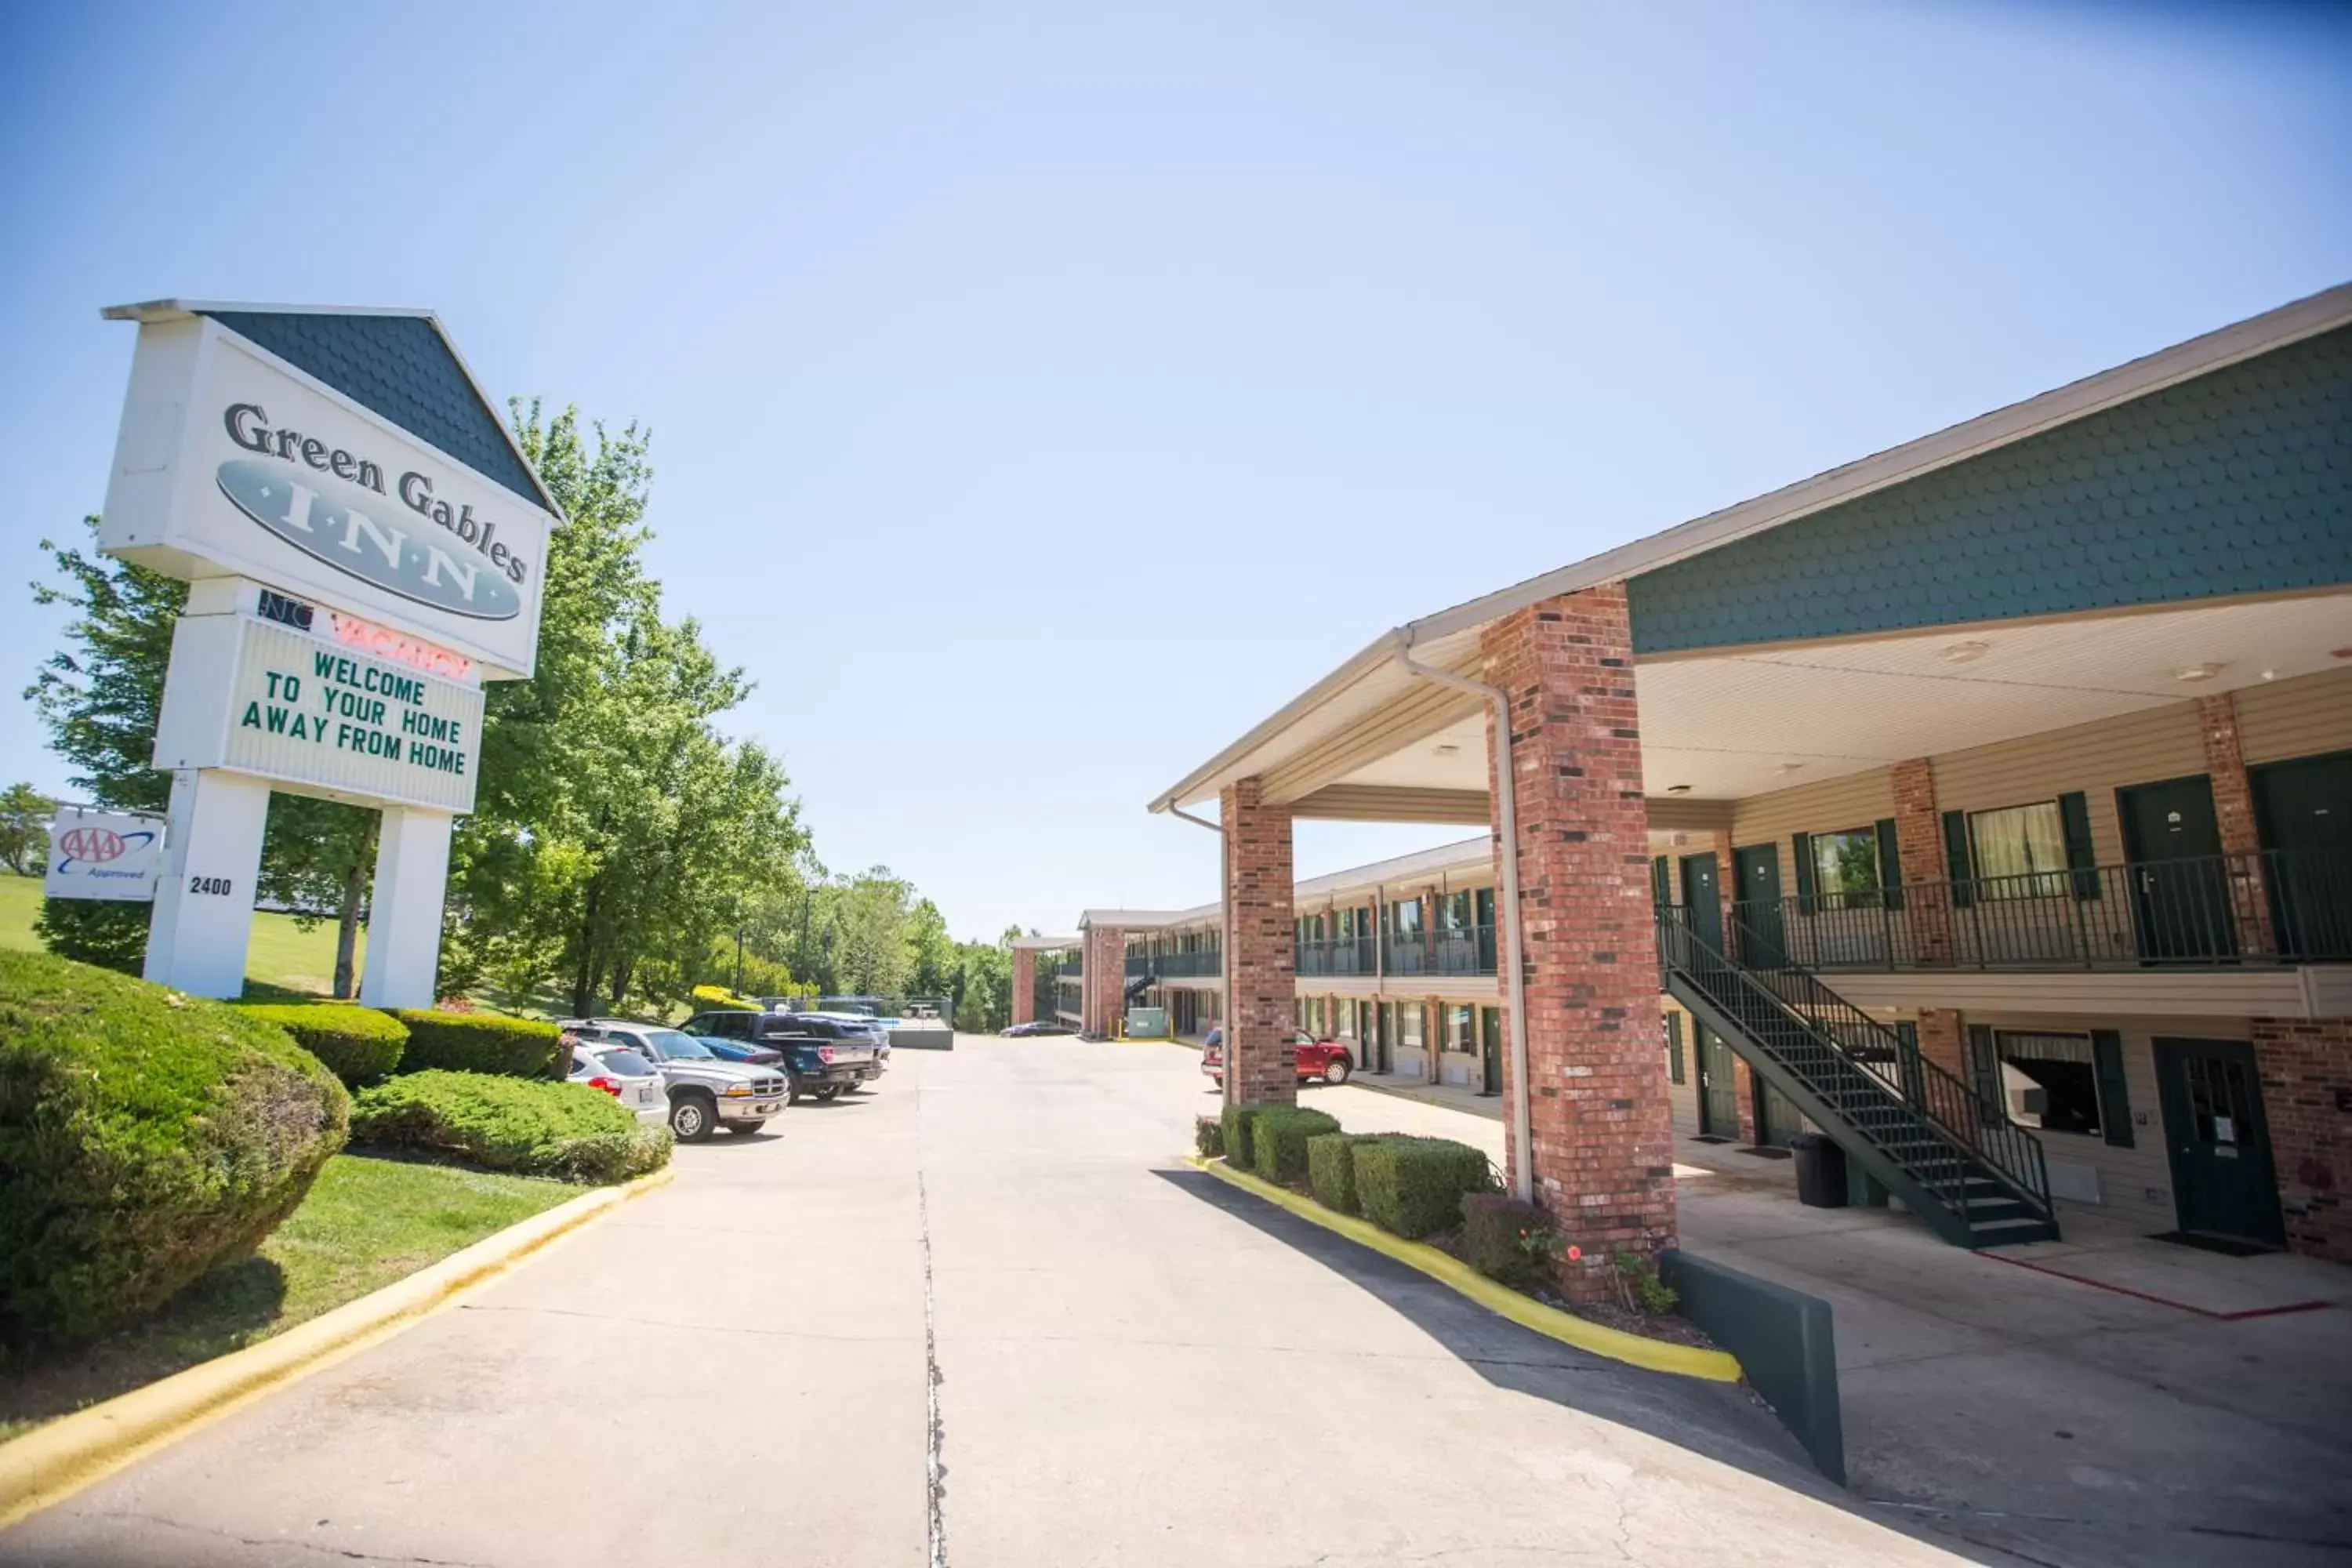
(367,1221)
(281,956)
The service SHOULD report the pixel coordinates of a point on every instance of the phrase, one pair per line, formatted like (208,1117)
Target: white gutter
(1507,913)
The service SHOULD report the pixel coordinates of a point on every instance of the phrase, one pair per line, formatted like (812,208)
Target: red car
(1324,1060)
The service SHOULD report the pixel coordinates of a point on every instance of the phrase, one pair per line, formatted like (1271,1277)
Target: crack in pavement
(934,1470)
(346,1553)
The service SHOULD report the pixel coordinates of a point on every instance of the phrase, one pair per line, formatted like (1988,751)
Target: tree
(24,815)
(98,697)
(869,953)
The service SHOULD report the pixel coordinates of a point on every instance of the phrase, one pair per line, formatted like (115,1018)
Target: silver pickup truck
(824,1056)
(704,1093)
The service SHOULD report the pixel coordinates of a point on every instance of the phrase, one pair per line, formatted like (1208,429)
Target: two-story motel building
(1985,804)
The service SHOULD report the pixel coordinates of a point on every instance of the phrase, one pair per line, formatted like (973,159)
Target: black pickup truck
(823,1057)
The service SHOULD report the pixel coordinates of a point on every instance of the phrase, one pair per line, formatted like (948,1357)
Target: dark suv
(823,1057)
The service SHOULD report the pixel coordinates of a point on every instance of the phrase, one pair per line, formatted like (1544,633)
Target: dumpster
(1821,1171)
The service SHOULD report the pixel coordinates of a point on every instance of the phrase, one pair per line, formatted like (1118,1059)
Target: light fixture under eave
(1446,748)
(1678,789)
(1966,652)
(2193,672)
(1791,767)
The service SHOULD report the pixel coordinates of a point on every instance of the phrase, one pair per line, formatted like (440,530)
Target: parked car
(1318,1060)
(1037,1027)
(627,1077)
(738,1051)
(823,1057)
(704,1093)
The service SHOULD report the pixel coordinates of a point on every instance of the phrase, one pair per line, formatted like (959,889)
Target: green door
(1755,906)
(1490,1048)
(2303,810)
(1718,1095)
(2180,898)
(1703,900)
(2223,1183)
(1775,1120)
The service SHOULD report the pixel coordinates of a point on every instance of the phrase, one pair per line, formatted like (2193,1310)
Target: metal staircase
(1924,1135)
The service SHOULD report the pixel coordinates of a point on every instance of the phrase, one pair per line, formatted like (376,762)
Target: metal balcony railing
(1462,950)
(1205,962)
(2267,907)
(1338,955)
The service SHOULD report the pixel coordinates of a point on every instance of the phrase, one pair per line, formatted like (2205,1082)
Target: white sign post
(352,586)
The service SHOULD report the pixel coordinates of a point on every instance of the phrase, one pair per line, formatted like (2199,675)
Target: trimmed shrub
(108,932)
(479,1042)
(1414,1186)
(359,1045)
(1208,1137)
(718,997)
(1237,1120)
(1508,1240)
(145,1138)
(502,1124)
(1278,1141)
(1331,1168)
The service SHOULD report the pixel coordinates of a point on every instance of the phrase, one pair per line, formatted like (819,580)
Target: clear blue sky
(1042,395)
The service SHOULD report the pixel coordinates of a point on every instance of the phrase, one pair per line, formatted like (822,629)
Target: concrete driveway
(982,1317)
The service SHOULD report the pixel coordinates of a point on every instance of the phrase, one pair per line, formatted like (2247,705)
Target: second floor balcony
(2269,907)
(1201,963)
(1445,951)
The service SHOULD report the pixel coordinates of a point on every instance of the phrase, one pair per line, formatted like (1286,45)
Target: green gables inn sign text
(234,463)
(364,547)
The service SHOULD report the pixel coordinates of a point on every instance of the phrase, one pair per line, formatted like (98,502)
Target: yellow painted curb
(51,1463)
(1655,1355)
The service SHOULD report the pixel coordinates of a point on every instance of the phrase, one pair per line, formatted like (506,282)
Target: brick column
(1944,1041)
(1727,888)
(1025,984)
(2233,811)
(1601,1131)
(1919,840)
(1261,968)
(1105,979)
(2306,1066)
(1744,1087)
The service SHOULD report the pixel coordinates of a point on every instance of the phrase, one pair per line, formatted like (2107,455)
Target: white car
(705,1093)
(627,1077)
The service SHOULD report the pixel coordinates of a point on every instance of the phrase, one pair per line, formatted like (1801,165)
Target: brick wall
(2233,812)
(2305,1064)
(1025,984)
(1943,1040)
(1106,979)
(1261,981)
(1919,844)
(1598,1111)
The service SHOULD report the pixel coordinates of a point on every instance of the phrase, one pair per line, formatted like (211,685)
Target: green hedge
(1278,1141)
(359,1045)
(1331,1169)
(1414,1186)
(718,997)
(479,1042)
(1492,1225)
(1237,1120)
(145,1137)
(541,1129)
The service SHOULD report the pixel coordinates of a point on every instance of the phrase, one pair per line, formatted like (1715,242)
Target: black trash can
(1821,1171)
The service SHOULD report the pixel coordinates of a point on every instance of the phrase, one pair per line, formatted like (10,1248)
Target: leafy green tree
(869,953)
(24,815)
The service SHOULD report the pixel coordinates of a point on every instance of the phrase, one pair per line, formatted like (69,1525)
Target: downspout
(1506,917)
(1224,933)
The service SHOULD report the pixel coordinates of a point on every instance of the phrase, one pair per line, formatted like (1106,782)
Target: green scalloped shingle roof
(398,367)
(2237,482)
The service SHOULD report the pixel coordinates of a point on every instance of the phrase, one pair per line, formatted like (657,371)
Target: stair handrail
(1927,1088)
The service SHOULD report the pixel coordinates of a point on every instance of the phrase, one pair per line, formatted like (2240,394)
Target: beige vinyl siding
(1831,805)
(2097,759)
(2135,1184)
(2306,717)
